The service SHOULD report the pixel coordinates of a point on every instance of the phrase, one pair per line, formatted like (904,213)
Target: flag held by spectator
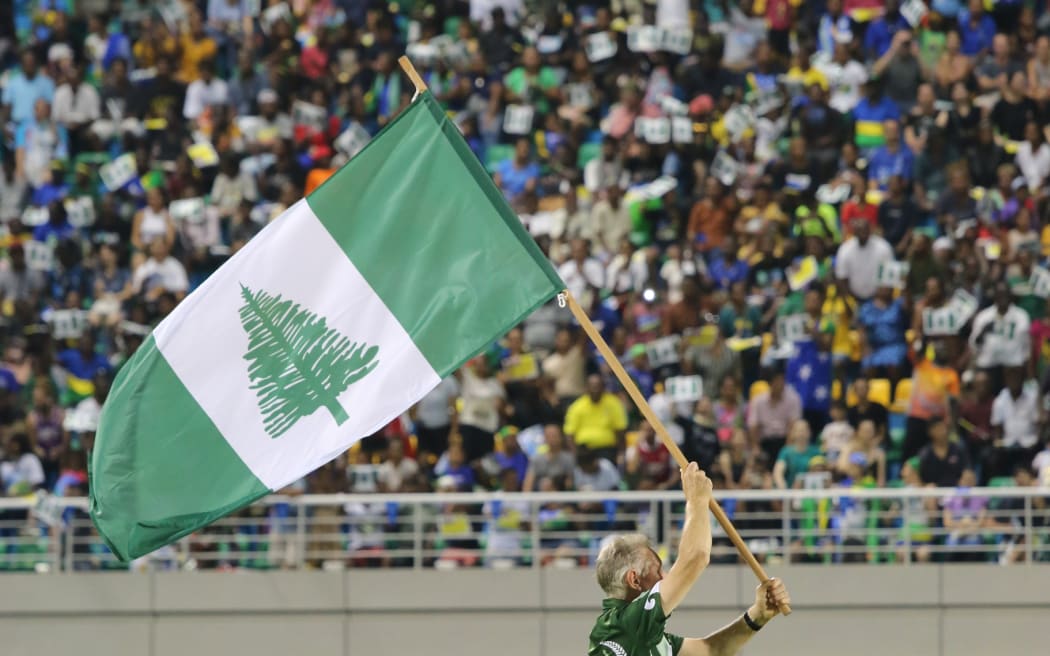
(338,316)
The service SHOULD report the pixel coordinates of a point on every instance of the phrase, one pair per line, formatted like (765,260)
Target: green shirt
(531,87)
(633,628)
(796,462)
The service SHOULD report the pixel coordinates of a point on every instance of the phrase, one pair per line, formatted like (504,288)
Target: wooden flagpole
(661,431)
(632,390)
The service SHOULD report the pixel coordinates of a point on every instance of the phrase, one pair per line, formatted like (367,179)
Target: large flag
(333,320)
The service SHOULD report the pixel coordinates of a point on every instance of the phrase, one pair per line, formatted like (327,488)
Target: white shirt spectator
(201,95)
(1019,418)
(27,470)
(169,274)
(845,81)
(76,106)
(606,478)
(481,11)
(859,264)
(1007,340)
(434,409)
(579,277)
(392,477)
(1034,164)
(1041,465)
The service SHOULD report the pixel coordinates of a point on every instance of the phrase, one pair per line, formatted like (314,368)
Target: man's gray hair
(619,555)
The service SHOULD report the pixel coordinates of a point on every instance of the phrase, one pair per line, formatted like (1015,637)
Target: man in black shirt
(867,410)
(942,462)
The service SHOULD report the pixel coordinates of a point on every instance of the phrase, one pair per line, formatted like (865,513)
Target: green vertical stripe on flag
(168,470)
(431,233)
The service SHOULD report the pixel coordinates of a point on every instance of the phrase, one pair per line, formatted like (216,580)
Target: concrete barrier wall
(947,610)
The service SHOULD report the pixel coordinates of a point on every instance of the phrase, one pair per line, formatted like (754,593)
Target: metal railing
(995,525)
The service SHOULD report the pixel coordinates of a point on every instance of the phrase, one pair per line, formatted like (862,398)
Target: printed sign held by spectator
(579,95)
(309,115)
(939,321)
(1040,282)
(67,324)
(39,256)
(521,367)
(663,351)
(653,130)
(517,119)
(792,328)
(548,44)
(80,211)
(118,173)
(681,129)
(34,216)
(676,40)
(644,38)
(273,14)
(724,168)
(964,304)
(683,389)
(203,154)
(187,209)
(600,46)
(352,140)
(805,273)
(893,274)
(914,11)
(738,120)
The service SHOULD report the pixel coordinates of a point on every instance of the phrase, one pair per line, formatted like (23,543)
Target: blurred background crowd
(814,230)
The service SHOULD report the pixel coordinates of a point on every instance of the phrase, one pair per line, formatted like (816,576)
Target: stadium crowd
(814,230)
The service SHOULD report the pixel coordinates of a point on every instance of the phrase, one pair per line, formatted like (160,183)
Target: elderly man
(639,598)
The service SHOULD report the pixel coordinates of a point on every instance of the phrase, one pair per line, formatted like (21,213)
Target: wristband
(751,624)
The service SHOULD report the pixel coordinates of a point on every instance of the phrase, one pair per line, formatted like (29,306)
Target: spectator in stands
(484,399)
(24,90)
(858,259)
(771,415)
(1015,425)
(1000,334)
(795,456)
(396,469)
(21,471)
(942,462)
(553,462)
(597,420)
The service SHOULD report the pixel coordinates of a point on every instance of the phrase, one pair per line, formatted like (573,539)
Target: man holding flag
(640,597)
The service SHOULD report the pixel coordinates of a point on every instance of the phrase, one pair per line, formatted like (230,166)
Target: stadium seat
(879,392)
(901,396)
(758,387)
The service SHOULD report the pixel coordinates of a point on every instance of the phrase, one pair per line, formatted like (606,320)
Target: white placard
(1040,282)
(353,139)
(663,351)
(914,11)
(725,168)
(517,119)
(310,115)
(964,305)
(68,324)
(549,43)
(188,209)
(893,274)
(939,321)
(600,46)
(738,120)
(47,509)
(274,14)
(673,106)
(682,129)
(644,38)
(678,40)
(80,211)
(140,75)
(833,195)
(39,256)
(579,94)
(426,54)
(115,111)
(34,216)
(684,389)
(793,328)
(118,173)
(653,130)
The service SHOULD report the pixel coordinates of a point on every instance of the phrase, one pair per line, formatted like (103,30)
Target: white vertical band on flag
(205,344)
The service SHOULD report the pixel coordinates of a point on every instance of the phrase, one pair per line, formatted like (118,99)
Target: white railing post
(417,536)
(1029,534)
(300,533)
(785,527)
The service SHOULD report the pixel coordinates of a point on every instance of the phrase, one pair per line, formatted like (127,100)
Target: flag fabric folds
(338,316)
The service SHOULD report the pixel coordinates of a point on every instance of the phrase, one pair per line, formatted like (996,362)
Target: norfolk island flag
(338,316)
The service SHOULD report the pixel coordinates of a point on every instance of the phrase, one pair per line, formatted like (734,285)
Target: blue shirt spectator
(26,87)
(976,30)
(519,174)
(724,271)
(886,162)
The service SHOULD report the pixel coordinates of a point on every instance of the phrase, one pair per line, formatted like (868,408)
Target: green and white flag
(339,315)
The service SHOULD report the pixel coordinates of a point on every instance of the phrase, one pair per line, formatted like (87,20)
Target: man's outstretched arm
(694,550)
(728,640)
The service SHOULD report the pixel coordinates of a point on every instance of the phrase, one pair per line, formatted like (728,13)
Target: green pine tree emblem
(297,364)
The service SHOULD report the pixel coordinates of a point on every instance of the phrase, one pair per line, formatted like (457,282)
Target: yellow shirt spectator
(596,424)
(194,51)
